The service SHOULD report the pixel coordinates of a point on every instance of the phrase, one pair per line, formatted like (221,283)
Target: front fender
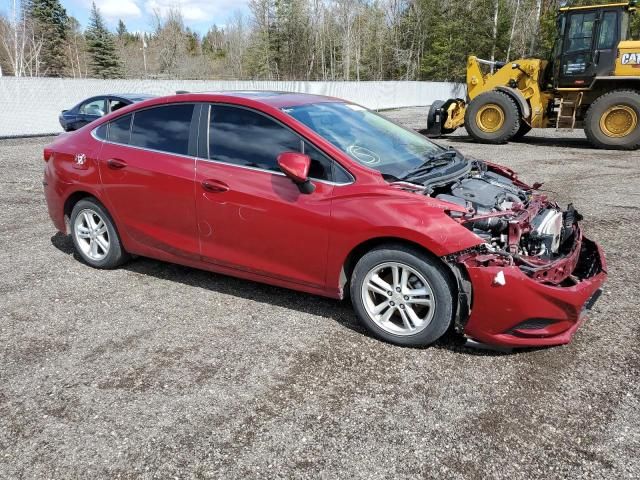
(422,222)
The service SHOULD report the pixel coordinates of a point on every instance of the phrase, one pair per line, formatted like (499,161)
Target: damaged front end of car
(534,276)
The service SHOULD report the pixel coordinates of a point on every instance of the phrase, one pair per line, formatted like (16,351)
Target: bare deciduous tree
(306,40)
(20,44)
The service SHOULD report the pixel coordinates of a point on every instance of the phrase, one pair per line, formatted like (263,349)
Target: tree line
(282,40)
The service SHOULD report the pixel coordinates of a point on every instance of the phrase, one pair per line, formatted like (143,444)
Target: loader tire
(612,120)
(492,117)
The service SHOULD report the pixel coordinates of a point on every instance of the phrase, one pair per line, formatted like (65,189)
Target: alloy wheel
(92,234)
(398,298)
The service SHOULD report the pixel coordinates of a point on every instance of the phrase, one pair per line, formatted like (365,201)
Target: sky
(198,15)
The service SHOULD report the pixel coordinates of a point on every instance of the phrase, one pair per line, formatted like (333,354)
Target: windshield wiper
(433,160)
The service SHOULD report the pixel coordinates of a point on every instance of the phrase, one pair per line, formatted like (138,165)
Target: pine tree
(101,47)
(290,38)
(50,23)
(122,29)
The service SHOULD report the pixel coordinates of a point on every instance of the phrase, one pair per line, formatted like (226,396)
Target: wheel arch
(359,250)
(121,253)
(71,201)
(518,97)
(75,196)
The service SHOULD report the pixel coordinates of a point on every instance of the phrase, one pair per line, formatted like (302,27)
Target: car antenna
(181,92)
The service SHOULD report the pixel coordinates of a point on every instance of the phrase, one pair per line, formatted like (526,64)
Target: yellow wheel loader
(592,81)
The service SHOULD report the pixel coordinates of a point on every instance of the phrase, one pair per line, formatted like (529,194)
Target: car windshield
(367,137)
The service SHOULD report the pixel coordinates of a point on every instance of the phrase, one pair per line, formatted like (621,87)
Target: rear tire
(94,235)
(412,307)
(612,120)
(492,117)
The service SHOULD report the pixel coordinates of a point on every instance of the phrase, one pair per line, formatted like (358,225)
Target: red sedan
(324,196)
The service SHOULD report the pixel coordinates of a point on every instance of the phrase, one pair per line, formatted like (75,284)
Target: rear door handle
(116,163)
(214,186)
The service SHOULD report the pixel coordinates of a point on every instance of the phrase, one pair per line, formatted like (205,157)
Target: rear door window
(120,130)
(164,128)
(115,104)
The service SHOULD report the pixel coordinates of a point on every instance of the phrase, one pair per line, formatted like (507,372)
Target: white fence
(30,106)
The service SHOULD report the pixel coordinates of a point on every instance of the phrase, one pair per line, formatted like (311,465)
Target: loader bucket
(438,121)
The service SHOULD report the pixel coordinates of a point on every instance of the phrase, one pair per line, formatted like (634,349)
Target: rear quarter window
(101,131)
(120,130)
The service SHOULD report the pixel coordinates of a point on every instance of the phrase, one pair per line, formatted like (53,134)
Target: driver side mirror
(296,166)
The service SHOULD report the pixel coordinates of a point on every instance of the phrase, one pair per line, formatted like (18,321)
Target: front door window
(95,108)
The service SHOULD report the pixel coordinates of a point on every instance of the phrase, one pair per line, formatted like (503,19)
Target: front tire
(94,235)
(402,295)
(612,120)
(492,117)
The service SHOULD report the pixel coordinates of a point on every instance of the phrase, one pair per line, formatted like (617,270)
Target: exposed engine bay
(508,215)
(520,225)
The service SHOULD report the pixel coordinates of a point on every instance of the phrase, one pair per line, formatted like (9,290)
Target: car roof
(131,96)
(269,97)
(256,99)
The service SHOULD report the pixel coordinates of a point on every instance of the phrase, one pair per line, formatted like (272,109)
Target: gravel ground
(161,371)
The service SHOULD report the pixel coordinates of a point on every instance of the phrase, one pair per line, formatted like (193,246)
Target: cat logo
(631,59)
(81,158)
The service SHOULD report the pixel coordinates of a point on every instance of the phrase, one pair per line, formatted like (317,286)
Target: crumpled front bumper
(518,311)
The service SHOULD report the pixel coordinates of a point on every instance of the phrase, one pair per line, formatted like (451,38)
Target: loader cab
(587,43)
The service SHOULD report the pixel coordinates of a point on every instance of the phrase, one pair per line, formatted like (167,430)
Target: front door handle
(214,186)
(116,163)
